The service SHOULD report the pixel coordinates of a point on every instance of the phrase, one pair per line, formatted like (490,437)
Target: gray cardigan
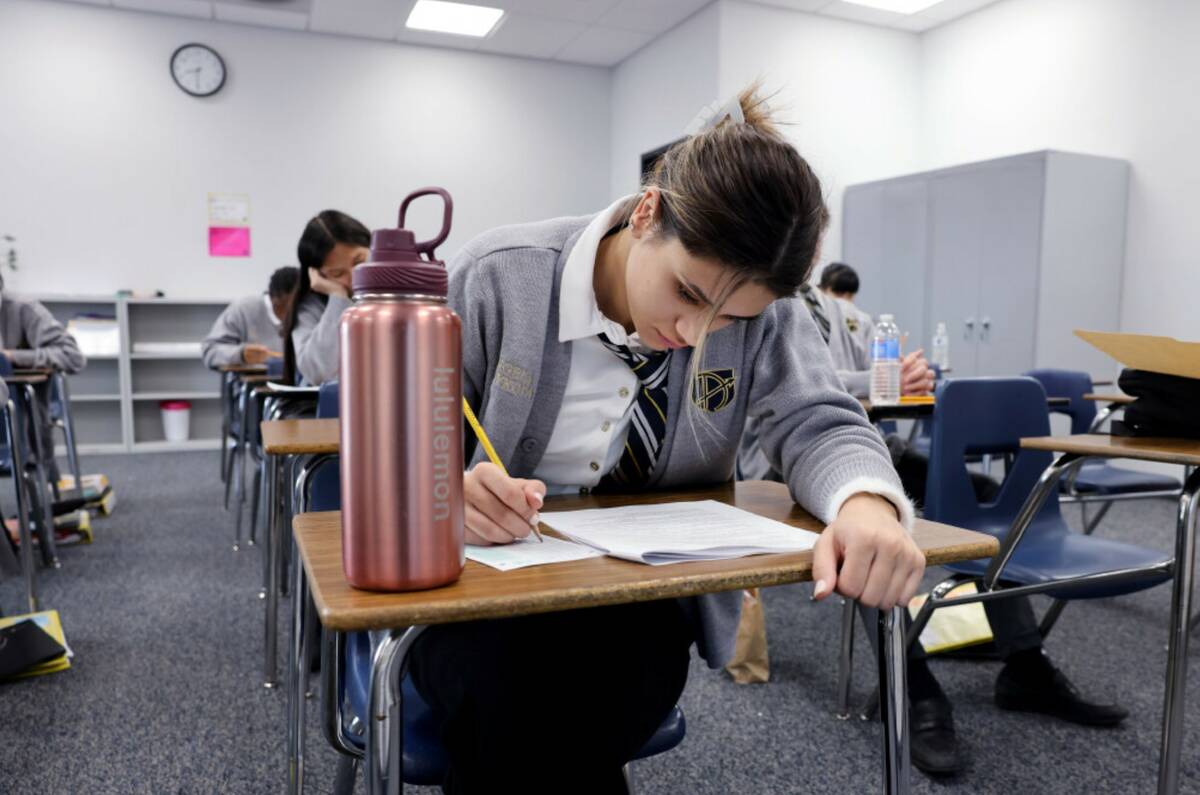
(35,338)
(505,284)
(246,320)
(315,337)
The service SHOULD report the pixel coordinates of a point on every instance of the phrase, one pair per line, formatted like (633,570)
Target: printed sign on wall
(228,225)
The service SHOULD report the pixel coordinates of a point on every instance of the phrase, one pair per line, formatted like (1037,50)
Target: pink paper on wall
(229,241)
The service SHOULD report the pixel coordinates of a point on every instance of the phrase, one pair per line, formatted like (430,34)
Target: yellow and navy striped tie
(648,423)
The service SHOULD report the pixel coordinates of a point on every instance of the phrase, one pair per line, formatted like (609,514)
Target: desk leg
(297,681)
(22,497)
(273,555)
(242,450)
(271,515)
(893,702)
(1181,607)
(385,724)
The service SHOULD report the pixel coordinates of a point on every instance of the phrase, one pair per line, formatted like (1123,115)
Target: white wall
(1106,77)
(108,165)
(848,91)
(658,91)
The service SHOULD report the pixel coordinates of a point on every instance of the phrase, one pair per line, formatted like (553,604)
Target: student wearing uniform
(251,327)
(1029,681)
(332,245)
(625,351)
(841,282)
(33,338)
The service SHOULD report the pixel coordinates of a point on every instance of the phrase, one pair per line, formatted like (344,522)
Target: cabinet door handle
(985,329)
(968,328)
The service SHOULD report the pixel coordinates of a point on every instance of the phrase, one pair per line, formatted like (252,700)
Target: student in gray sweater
(332,245)
(250,329)
(625,351)
(33,338)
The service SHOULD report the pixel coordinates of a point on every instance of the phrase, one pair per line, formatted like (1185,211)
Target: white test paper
(678,531)
(528,552)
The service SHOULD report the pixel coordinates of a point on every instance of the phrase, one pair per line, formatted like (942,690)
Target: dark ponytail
(321,234)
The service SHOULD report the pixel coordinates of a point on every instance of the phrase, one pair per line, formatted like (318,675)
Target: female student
(332,245)
(33,338)
(626,350)
(250,328)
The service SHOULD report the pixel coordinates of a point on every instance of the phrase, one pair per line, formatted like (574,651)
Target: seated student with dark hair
(251,328)
(840,281)
(1029,681)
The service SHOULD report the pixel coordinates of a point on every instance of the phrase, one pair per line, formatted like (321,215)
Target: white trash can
(175,416)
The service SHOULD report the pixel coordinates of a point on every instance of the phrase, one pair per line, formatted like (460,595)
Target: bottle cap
(396,264)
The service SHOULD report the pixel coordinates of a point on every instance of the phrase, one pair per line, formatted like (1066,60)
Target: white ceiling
(595,32)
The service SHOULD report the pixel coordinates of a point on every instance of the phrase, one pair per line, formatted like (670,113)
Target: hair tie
(712,115)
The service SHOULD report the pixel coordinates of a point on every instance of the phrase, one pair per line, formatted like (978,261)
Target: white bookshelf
(114,400)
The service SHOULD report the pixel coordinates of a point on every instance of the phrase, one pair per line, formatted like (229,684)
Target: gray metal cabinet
(1012,254)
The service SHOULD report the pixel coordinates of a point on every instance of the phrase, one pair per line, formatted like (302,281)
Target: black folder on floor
(24,645)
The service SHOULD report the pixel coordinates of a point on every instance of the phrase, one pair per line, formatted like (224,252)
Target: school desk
(483,593)
(229,399)
(287,446)
(1075,448)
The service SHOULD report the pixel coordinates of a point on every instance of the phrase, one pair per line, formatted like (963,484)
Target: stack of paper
(678,531)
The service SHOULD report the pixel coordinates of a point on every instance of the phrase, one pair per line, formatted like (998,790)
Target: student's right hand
(499,509)
(320,284)
(253,353)
(916,376)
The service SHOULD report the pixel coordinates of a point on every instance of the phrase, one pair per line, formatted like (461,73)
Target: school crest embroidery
(713,390)
(852,324)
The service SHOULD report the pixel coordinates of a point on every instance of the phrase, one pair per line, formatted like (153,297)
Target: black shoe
(1049,692)
(934,744)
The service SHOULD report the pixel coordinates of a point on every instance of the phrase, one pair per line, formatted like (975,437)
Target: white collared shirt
(589,435)
(271,311)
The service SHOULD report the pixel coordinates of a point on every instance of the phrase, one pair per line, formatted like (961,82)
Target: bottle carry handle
(426,247)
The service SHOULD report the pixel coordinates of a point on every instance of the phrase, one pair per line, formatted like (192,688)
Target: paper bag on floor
(750,664)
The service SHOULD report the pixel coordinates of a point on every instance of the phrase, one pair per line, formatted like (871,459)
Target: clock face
(198,70)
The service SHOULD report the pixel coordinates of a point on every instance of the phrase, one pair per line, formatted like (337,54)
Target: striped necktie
(817,311)
(648,423)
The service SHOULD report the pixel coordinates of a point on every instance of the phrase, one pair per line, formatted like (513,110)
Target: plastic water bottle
(885,362)
(941,348)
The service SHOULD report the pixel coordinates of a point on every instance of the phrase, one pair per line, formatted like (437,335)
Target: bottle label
(885,349)
(445,414)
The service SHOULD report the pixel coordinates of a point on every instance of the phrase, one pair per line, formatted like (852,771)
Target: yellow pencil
(487,447)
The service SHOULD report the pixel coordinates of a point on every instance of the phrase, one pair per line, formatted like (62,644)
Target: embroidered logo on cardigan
(713,390)
(852,324)
(514,380)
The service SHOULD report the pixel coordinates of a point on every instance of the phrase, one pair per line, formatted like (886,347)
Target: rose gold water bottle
(401,417)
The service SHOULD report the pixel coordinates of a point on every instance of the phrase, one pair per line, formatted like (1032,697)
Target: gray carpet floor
(165,691)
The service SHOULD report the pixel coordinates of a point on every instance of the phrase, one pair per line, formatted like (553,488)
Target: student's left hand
(916,376)
(866,554)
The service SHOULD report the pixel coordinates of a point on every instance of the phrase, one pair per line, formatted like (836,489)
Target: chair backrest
(327,482)
(977,416)
(1071,384)
(6,365)
(275,367)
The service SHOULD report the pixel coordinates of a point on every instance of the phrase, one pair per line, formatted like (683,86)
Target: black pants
(552,703)
(1013,623)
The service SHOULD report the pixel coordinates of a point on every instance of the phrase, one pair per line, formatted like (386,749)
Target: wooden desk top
(255,378)
(1122,400)
(242,368)
(300,437)
(483,592)
(1167,451)
(902,411)
(27,378)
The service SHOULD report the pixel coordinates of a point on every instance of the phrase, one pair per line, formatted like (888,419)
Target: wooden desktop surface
(483,592)
(300,437)
(1122,400)
(1167,451)
(27,378)
(242,368)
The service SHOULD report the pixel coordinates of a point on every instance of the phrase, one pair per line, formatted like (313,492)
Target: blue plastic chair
(424,759)
(1097,477)
(990,416)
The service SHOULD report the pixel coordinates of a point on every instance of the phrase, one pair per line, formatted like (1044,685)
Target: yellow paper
(953,627)
(1165,355)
